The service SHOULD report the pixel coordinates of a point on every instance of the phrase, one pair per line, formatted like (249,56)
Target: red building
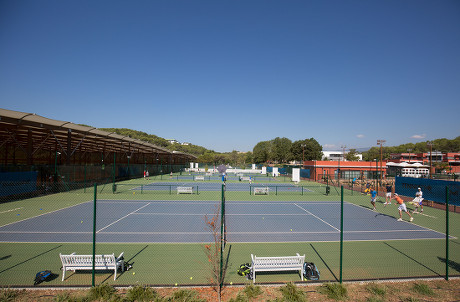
(347,169)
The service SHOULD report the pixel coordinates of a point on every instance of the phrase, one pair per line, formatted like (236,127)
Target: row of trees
(442,145)
(283,150)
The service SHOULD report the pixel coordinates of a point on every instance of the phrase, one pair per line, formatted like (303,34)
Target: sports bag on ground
(310,271)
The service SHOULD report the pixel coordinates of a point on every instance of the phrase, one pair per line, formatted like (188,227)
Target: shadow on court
(27,260)
(452,264)
(324,262)
(411,258)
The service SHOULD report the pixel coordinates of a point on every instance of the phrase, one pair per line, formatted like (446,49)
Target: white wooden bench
(74,262)
(245,178)
(199,178)
(185,190)
(261,190)
(266,264)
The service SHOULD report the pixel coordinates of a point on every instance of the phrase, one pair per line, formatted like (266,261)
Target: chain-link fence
(180,229)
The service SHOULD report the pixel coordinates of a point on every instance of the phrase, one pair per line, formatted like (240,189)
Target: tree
(352,155)
(281,150)
(261,152)
(248,158)
(312,150)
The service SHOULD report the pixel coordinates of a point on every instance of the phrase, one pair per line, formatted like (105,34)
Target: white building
(338,155)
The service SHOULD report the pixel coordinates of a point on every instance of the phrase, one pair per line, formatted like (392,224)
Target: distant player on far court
(373,197)
(402,207)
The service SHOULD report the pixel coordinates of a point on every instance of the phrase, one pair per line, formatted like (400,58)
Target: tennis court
(121,221)
(164,232)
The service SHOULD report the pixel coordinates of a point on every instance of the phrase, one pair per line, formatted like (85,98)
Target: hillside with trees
(442,145)
(282,150)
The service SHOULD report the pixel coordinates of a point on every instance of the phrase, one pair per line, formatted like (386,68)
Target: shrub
(334,291)
(184,295)
(102,291)
(376,289)
(141,293)
(7,294)
(292,293)
(252,291)
(423,289)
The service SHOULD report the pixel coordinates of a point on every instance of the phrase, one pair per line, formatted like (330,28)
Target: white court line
(42,232)
(10,210)
(425,215)
(186,214)
(123,217)
(309,213)
(1,226)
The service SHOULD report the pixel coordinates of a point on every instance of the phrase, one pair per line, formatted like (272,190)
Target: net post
(341,234)
(447,233)
(94,237)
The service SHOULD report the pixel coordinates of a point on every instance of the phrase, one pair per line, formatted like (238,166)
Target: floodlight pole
(381,142)
(430,144)
(303,154)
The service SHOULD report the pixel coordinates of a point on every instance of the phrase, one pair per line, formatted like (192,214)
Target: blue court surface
(184,222)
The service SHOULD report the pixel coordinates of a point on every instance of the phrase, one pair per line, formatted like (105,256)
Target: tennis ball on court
(191,278)
(81,221)
(175,284)
(231,283)
(291,230)
(134,273)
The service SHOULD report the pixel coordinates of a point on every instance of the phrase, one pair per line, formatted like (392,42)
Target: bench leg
(63,274)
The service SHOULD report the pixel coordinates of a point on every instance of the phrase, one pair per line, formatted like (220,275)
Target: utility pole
(430,144)
(381,142)
(409,150)
(303,154)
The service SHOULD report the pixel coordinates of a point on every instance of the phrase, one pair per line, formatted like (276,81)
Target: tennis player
(418,200)
(388,194)
(373,197)
(402,207)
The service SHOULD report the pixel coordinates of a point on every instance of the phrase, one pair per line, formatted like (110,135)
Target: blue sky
(228,74)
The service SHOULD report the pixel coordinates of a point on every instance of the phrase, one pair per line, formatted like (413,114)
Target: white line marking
(44,214)
(10,210)
(123,217)
(309,213)
(425,215)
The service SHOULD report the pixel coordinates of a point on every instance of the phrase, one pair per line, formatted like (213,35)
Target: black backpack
(310,271)
(245,270)
(43,276)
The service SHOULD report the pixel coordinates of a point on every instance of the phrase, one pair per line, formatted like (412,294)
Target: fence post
(94,237)
(447,233)
(341,233)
